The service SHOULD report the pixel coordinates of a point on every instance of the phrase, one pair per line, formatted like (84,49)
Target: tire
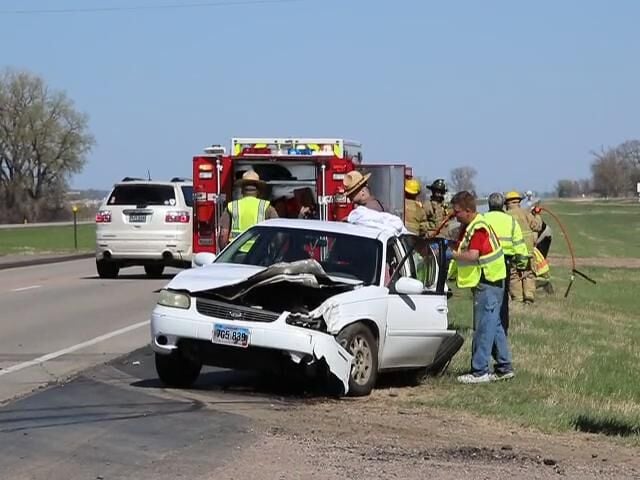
(107,269)
(176,370)
(154,270)
(358,340)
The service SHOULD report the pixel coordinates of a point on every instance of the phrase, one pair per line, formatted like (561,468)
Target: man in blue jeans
(478,263)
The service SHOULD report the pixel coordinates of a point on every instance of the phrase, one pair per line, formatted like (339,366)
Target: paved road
(59,319)
(113,419)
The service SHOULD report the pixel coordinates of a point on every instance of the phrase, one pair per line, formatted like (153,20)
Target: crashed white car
(344,301)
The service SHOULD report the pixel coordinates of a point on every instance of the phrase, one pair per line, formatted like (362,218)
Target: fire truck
(297,172)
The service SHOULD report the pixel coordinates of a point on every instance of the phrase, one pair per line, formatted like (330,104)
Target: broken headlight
(304,321)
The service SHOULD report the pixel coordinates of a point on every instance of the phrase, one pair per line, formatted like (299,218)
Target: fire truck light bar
(287,147)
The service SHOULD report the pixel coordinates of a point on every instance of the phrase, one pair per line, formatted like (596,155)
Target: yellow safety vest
(508,231)
(245,213)
(540,264)
(492,265)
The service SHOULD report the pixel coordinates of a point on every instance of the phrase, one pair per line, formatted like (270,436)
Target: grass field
(42,240)
(597,229)
(577,359)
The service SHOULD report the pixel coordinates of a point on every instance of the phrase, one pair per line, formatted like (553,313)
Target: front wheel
(358,340)
(176,370)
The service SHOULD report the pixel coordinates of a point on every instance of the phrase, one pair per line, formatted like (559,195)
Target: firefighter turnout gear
(522,284)
(436,211)
(415,217)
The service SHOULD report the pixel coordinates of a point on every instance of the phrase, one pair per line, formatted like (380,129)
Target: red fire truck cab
(297,171)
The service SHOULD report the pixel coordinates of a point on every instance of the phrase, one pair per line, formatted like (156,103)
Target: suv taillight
(177,217)
(103,216)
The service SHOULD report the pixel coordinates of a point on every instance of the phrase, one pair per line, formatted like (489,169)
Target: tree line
(615,172)
(44,140)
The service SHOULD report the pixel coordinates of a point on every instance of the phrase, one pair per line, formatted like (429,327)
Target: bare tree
(612,173)
(462,178)
(43,141)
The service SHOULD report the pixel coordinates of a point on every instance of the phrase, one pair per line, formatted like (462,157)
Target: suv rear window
(142,195)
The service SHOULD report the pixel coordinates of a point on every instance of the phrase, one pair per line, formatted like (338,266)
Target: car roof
(153,182)
(328,226)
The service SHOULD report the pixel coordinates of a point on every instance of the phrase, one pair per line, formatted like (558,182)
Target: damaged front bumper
(171,325)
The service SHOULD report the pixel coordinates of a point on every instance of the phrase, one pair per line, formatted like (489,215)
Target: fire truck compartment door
(387,185)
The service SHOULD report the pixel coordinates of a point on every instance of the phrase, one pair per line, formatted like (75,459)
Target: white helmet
(529,193)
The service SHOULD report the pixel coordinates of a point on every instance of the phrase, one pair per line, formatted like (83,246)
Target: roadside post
(74,209)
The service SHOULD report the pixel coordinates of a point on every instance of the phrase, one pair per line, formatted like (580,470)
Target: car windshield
(142,195)
(341,255)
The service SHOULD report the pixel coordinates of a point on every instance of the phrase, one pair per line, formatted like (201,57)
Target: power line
(169,6)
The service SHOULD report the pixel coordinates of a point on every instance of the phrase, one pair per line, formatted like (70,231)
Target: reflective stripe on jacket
(491,265)
(508,231)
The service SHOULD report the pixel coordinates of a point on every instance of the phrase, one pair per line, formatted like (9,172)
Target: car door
(416,324)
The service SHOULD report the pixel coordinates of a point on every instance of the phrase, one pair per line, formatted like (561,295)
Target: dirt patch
(380,437)
(613,262)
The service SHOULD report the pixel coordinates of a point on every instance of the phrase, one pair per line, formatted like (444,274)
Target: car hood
(245,277)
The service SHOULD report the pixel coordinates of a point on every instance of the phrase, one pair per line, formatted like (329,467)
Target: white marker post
(638,190)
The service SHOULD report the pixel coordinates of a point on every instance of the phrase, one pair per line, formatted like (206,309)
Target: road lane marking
(79,346)
(22,289)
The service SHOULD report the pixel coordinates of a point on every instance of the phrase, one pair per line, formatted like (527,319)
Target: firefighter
(415,216)
(247,211)
(435,208)
(522,283)
(357,189)
(511,239)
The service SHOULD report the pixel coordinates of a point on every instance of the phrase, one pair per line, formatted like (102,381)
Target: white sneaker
(470,378)
(501,376)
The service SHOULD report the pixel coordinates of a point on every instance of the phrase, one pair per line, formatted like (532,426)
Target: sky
(522,91)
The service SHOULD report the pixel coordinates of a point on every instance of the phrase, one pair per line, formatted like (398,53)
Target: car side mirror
(409,286)
(203,258)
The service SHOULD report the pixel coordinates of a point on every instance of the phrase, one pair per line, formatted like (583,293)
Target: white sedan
(343,301)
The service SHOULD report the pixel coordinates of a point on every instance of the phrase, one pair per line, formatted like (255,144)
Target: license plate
(137,218)
(234,336)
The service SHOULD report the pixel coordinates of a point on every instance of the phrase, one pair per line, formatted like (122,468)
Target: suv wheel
(176,370)
(107,269)
(154,270)
(358,340)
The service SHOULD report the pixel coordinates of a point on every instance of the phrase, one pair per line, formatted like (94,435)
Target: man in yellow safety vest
(247,211)
(512,241)
(478,263)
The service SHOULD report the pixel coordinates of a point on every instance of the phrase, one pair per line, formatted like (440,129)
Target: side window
(422,264)
(393,259)
(187,192)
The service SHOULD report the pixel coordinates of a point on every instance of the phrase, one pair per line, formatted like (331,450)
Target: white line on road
(32,287)
(79,346)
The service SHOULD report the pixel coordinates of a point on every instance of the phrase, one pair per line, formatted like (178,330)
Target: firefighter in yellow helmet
(522,279)
(415,217)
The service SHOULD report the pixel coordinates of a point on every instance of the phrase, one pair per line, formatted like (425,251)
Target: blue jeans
(488,332)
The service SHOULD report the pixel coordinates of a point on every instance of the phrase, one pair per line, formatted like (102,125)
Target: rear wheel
(358,340)
(107,269)
(154,270)
(176,370)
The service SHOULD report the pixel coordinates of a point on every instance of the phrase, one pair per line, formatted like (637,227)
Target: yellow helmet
(412,186)
(513,195)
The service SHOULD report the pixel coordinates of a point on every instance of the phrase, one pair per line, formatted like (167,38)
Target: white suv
(144,222)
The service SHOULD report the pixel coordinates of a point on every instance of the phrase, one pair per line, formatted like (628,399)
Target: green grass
(577,360)
(42,240)
(596,228)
